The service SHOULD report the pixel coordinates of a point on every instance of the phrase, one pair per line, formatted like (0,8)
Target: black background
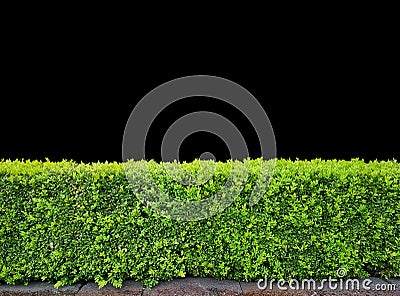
(69,96)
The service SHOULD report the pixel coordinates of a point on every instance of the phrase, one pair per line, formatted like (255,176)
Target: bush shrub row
(66,222)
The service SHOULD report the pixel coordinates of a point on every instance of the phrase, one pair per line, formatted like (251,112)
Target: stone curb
(199,287)
(130,288)
(195,287)
(38,288)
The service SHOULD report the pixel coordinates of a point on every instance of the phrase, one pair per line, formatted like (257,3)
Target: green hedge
(66,222)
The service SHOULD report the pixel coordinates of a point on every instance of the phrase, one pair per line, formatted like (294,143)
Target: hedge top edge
(27,166)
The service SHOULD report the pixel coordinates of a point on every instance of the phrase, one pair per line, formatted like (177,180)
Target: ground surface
(197,287)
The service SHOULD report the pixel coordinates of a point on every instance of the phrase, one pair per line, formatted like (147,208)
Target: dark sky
(71,100)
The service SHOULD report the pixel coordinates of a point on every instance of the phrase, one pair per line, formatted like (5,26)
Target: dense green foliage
(66,222)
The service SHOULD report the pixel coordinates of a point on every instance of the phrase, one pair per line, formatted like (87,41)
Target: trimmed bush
(66,222)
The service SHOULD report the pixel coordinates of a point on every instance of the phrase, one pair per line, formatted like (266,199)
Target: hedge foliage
(66,222)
